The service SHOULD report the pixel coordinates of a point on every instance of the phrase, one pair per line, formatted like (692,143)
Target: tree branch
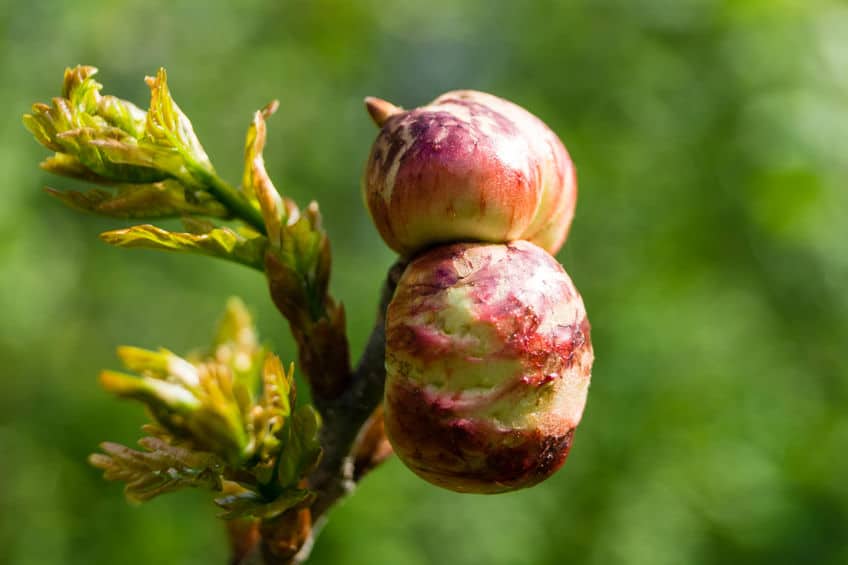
(351,433)
(344,416)
(157,168)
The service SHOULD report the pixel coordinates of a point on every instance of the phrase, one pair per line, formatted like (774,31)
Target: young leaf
(66,165)
(256,184)
(168,127)
(219,242)
(157,200)
(210,429)
(236,345)
(269,416)
(302,450)
(122,114)
(154,158)
(79,88)
(161,468)
(299,270)
(203,408)
(160,364)
(124,153)
(89,127)
(160,396)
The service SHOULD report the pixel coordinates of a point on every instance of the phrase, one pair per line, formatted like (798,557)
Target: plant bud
(467,167)
(488,360)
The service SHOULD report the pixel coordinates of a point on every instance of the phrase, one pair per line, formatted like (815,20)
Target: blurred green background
(710,245)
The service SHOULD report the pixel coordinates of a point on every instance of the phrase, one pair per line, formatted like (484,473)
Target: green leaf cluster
(226,418)
(223,418)
(112,142)
(150,164)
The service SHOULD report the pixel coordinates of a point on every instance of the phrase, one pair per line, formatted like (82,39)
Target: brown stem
(244,539)
(321,336)
(344,414)
(323,354)
(284,536)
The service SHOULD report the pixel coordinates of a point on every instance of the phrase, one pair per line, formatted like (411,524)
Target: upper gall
(467,167)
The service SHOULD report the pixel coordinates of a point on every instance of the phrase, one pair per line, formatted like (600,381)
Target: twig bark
(344,416)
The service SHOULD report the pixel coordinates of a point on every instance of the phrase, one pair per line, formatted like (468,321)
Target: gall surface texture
(468,167)
(488,359)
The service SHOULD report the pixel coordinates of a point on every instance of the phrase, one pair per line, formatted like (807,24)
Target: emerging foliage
(156,200)
(109,140)
(247,249)
(223,419)
(152,160)
(159,469)
(150,164)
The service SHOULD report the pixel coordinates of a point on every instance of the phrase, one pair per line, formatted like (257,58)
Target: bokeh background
(710,245)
